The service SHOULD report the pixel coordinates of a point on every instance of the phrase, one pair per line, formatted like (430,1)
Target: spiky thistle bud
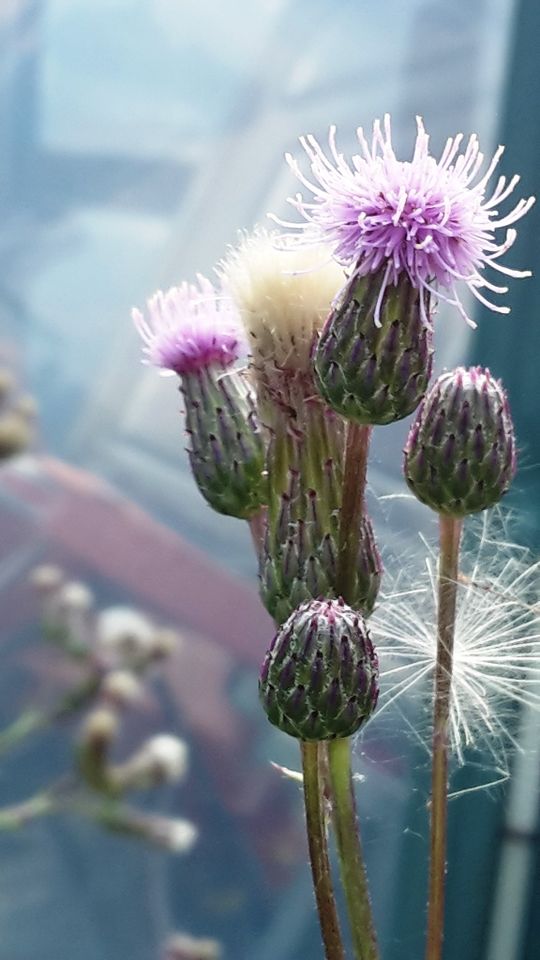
(374,357)
(460,454)
(283,299)
(195,332)
(319,680)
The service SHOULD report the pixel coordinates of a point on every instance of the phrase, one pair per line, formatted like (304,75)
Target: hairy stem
(318,853)
(257,527)
(449,539)
(352,506)
(353,872)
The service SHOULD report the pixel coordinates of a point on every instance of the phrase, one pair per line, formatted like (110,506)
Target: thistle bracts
(373,359)
(305,473)
(460,455)
(283,300)
(320,678)
(226,448)
(195,332)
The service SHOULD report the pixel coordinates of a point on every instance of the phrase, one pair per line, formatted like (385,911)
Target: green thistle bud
(194,331)
(460,454)
(373,359)
(305,467)
(320,678)
(283,299)
(226,448)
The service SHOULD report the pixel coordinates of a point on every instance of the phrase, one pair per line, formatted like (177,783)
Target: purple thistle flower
(190,328)
(423,218)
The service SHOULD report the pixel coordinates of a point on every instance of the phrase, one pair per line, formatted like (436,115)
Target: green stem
(353,872)
(34,720)
(46,801)
(352,506)
(449,537)
(318,852)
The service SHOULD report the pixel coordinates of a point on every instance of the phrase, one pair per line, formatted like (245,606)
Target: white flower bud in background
(181,946)
(98,732)
(75,597)
(161,759)
(99,728)
(176,836)
(167,755)
(165,641)
(46,578)
(124,636)
(121,689)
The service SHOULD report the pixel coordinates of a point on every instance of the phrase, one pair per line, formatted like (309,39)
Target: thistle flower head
(460,453)
(496,666)
(283,295)
(190,328)
(320,678)
(429,219)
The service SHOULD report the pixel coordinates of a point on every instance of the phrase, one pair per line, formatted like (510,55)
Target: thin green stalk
(353,872)
(32,721)
(45,802)
(449,539)
(318,853)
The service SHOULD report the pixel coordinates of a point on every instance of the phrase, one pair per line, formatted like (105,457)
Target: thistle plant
(338,315)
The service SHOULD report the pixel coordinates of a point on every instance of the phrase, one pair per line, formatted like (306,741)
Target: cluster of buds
(116,649)
(338,338)
(17,413)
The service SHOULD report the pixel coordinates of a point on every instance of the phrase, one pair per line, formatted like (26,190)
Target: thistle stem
(352,506)
(318,852)
(353,872)
(257,527)
(449,540)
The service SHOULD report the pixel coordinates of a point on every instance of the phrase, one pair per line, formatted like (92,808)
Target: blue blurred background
(136,138)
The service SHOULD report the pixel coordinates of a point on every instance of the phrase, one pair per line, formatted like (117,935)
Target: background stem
(353,872)
(449,538)
(318,852)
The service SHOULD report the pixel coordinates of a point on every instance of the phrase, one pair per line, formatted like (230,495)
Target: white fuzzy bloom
(167,756)
(46,577)
(75,597)
(175,835)
(284,296)
(124,635)
(121,688)
(496,666)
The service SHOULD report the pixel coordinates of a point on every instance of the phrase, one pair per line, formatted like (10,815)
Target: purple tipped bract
(429,219)
(190,328)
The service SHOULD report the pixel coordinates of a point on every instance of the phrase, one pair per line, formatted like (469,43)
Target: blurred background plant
(113,651)
(126,165)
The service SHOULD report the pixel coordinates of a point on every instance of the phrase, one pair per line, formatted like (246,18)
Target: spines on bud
(319,680)
(373,359)
(460,454)
(226,448)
